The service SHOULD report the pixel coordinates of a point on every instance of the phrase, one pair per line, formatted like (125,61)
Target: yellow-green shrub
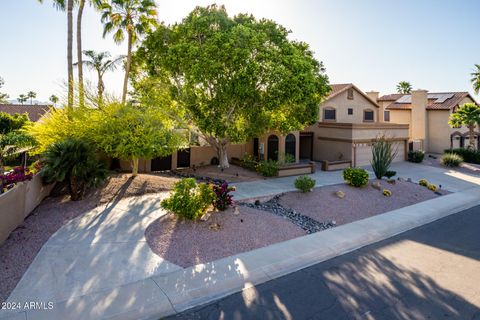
(432,187)
(387,193)
(423,182)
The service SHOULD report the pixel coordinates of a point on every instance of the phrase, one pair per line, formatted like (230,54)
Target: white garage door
(364,153)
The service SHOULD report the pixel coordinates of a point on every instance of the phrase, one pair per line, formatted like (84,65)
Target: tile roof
(34,112)
(433,103)
(337,88)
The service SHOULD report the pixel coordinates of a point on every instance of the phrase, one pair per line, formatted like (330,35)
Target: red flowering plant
(224,198)
(10,179)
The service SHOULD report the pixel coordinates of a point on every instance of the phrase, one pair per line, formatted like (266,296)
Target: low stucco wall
(17,203)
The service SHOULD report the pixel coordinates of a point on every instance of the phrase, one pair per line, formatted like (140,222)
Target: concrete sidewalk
(178,290)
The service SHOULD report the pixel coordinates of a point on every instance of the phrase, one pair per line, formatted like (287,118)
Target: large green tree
(234,78)
(467,115)
(404,87)
(476,79)
(133,17)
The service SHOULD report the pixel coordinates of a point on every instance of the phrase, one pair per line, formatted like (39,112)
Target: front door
(183,158)
(306,146)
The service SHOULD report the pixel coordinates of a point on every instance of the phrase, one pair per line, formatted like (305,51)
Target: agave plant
(382,156)
(73,161)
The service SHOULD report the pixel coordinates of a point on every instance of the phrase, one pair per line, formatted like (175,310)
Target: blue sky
(434,44)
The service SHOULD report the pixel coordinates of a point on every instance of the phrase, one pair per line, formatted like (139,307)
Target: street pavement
(431,272)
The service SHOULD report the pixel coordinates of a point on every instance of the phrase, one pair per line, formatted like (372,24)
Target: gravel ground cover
(19,250)
(467,168)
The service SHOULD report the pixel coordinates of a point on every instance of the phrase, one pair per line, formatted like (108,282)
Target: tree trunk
(69,52)
(222,156)
(127,67)
(134,167)
(81,89)
(100,88)
(471,135)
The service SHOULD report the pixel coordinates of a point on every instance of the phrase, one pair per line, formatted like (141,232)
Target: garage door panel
(364,153)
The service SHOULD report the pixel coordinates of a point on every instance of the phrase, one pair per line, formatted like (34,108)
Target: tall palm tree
(133,17)
(404,87)
(476,79)
(22,98)
(67,5)
(31,95)
(54,99)
(101,63)
(467,115)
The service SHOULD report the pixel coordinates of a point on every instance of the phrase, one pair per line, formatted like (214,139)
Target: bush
(432,187)
(249,162)
(223,197)
(356,177)
(423,182)
(387,193)
(189,199)
(285,159)
(468,155)
(390,174)
(304,183)
(451,160)
(382,157)
(416,156)
(73,161)
(10,179)
(267,168)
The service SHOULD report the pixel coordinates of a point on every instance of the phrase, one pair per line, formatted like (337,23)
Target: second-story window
(368,116)
(329,114)
(350,111)
(386,116)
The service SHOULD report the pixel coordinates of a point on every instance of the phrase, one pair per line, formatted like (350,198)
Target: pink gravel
(188,243)
(323,205)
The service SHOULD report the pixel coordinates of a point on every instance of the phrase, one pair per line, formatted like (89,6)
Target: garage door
(364,153)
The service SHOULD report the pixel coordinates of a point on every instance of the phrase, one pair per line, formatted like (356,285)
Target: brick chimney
(374,96)
(418,121)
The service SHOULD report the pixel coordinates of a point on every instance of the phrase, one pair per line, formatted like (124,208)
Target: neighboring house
(349,123)
(34,112)
(428,115)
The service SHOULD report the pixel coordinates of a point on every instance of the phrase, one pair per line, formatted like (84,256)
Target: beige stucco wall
(281,143)
(341,103)
(331,150)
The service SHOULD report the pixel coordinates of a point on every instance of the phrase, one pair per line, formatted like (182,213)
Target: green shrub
(249,162)
(451,160)
(189,199)
(267,168)
(423,182)
(416,156)
(387,193)
(468,155)
(390,174)
(75,162)
(432,187)
(382,157)
(356,177)
(285,158)
(304,183)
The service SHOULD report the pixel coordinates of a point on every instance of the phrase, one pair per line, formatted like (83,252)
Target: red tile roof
(339,88)
(35,112)
(433,104)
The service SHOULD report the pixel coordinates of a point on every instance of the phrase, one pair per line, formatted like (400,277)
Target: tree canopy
(234,78)
(404,87)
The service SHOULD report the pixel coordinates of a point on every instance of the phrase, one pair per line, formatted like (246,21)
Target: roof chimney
(373,95)
(419,116)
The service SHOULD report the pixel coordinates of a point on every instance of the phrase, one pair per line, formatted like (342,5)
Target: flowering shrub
(224,198)
(432,187)
(10,179)
(423,182)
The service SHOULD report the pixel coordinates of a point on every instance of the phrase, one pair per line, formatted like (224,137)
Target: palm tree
(476,79)
(135,17)
(22,98)
(100,62)
(31,95)
(467,115)
(61,5)
(54,99)
(404,87)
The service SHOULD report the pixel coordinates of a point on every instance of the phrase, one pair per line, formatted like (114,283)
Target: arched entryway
(272,151)
(291,145)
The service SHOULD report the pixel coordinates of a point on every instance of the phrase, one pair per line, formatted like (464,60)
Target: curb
(161,296)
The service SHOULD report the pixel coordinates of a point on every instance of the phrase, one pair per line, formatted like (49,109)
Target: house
(34,112)
(349,122)
(428,114)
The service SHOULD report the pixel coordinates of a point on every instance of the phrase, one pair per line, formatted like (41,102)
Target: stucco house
(427,114)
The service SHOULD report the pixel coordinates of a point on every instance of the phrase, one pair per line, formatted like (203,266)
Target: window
(350,111)
(386,116)
(368,115)
(329,114)
(350,94)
